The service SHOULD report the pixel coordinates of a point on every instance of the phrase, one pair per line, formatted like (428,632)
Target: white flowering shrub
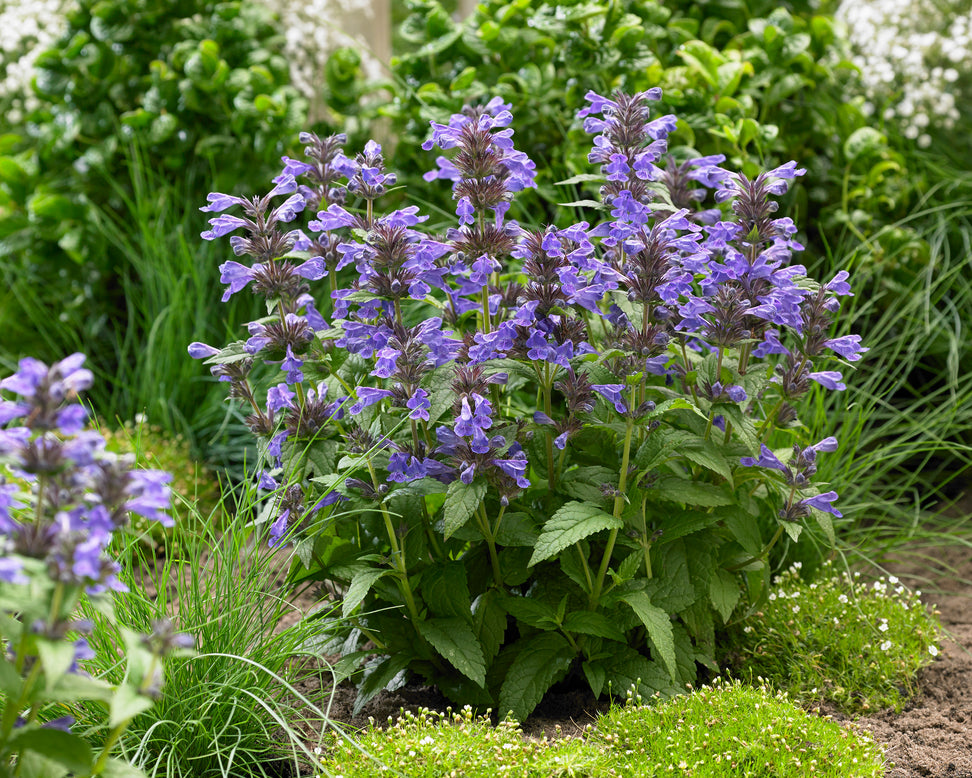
(27,27)
(314,29)
(915,58)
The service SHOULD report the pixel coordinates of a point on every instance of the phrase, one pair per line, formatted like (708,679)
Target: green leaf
(688,492)
(671,589)
(742,425)
(532,612)
(489,622)
(706,453)
(596,675)
(659,627)
(454,638)
(461,502)
(361,584)
(864,142)
(71,688)
(71,751)
(126,704)
(574,521)
(445,590)
(56,657)
(10,680)
(660,446)
(745,529)
(379,678)
(826,524)
(593,623)
(119,768)
(542,661)
(724,592)
(624,667)
(517,529)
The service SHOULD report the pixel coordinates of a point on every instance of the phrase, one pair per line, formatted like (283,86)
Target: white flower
(426,741)
(842,599)
(886,645)
(933,650)
(883,626)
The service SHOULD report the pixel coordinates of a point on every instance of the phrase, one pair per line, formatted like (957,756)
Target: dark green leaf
(625,668)
(574,521)
(542,661)
(461,502)
(530,611)
(517,529)
(724,592)
(455,640)
(688,492)
(379,678)
(593,623)
(659,627)
(446,591)
(361,584)
(489,622)
(595,675)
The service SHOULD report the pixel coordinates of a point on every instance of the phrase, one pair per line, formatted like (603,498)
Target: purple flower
(202,351)
(292,364)
(613,393)
(149,495)
(829,379)
(476,418)
(822,502)
(419,405)
(848,346)
(766,459)
(368,397)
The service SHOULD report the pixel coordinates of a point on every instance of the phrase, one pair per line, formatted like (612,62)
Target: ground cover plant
(839,638)
(62,497)
(717,730)
(562,469)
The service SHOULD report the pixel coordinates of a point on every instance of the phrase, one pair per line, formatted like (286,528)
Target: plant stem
(618,508)
(483,520)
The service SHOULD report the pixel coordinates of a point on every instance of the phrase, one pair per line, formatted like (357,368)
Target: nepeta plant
(62,496)
(523,455)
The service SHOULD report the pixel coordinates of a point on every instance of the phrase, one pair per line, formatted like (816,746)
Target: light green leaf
(826,524)
(35,765)
(119,768)
(454,638)
(574,521)
(659,627)
(56,657)
(361,584)
(71,688)
(542,661)
(461,502)
(724,592)
(126,704)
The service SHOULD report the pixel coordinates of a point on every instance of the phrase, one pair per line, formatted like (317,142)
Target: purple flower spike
(419,405)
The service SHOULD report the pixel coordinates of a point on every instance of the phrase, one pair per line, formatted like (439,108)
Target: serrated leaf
(71,688)
(573,522)
(688,492)
(742,425)
(724,592)
(595,675)
(625,667)
(671,589)
(592,623)
(126,704)
(581,178)
(629,566)
(69,750)
(572,566)
(517,529)
(461,502)
(446,591)
(489,622)
(379,678)
(705,453)
(361,583)
(792,530)
(745,530)
(542,661)
(532,612)
(659,628)
(826,524)
(454,638)
(659,447)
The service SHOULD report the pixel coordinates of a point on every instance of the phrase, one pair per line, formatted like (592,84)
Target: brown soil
(931,738)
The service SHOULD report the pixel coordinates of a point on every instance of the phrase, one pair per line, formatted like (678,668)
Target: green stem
(483,520)
(548,409)
(761,555)
(618,508)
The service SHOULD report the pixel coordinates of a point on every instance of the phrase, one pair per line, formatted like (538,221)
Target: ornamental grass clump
(62,497)
(529,456)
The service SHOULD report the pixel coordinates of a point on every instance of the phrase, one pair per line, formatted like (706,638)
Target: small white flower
(893,579)
(886,645)
(933,650)
(426,741)
(883,626)
(796,608)
(842,599)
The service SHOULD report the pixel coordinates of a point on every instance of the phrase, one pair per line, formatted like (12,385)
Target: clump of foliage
(56,568)
(193,85)
(718,730)
(232,708)
(837,638)
(758,83)
(531,455)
